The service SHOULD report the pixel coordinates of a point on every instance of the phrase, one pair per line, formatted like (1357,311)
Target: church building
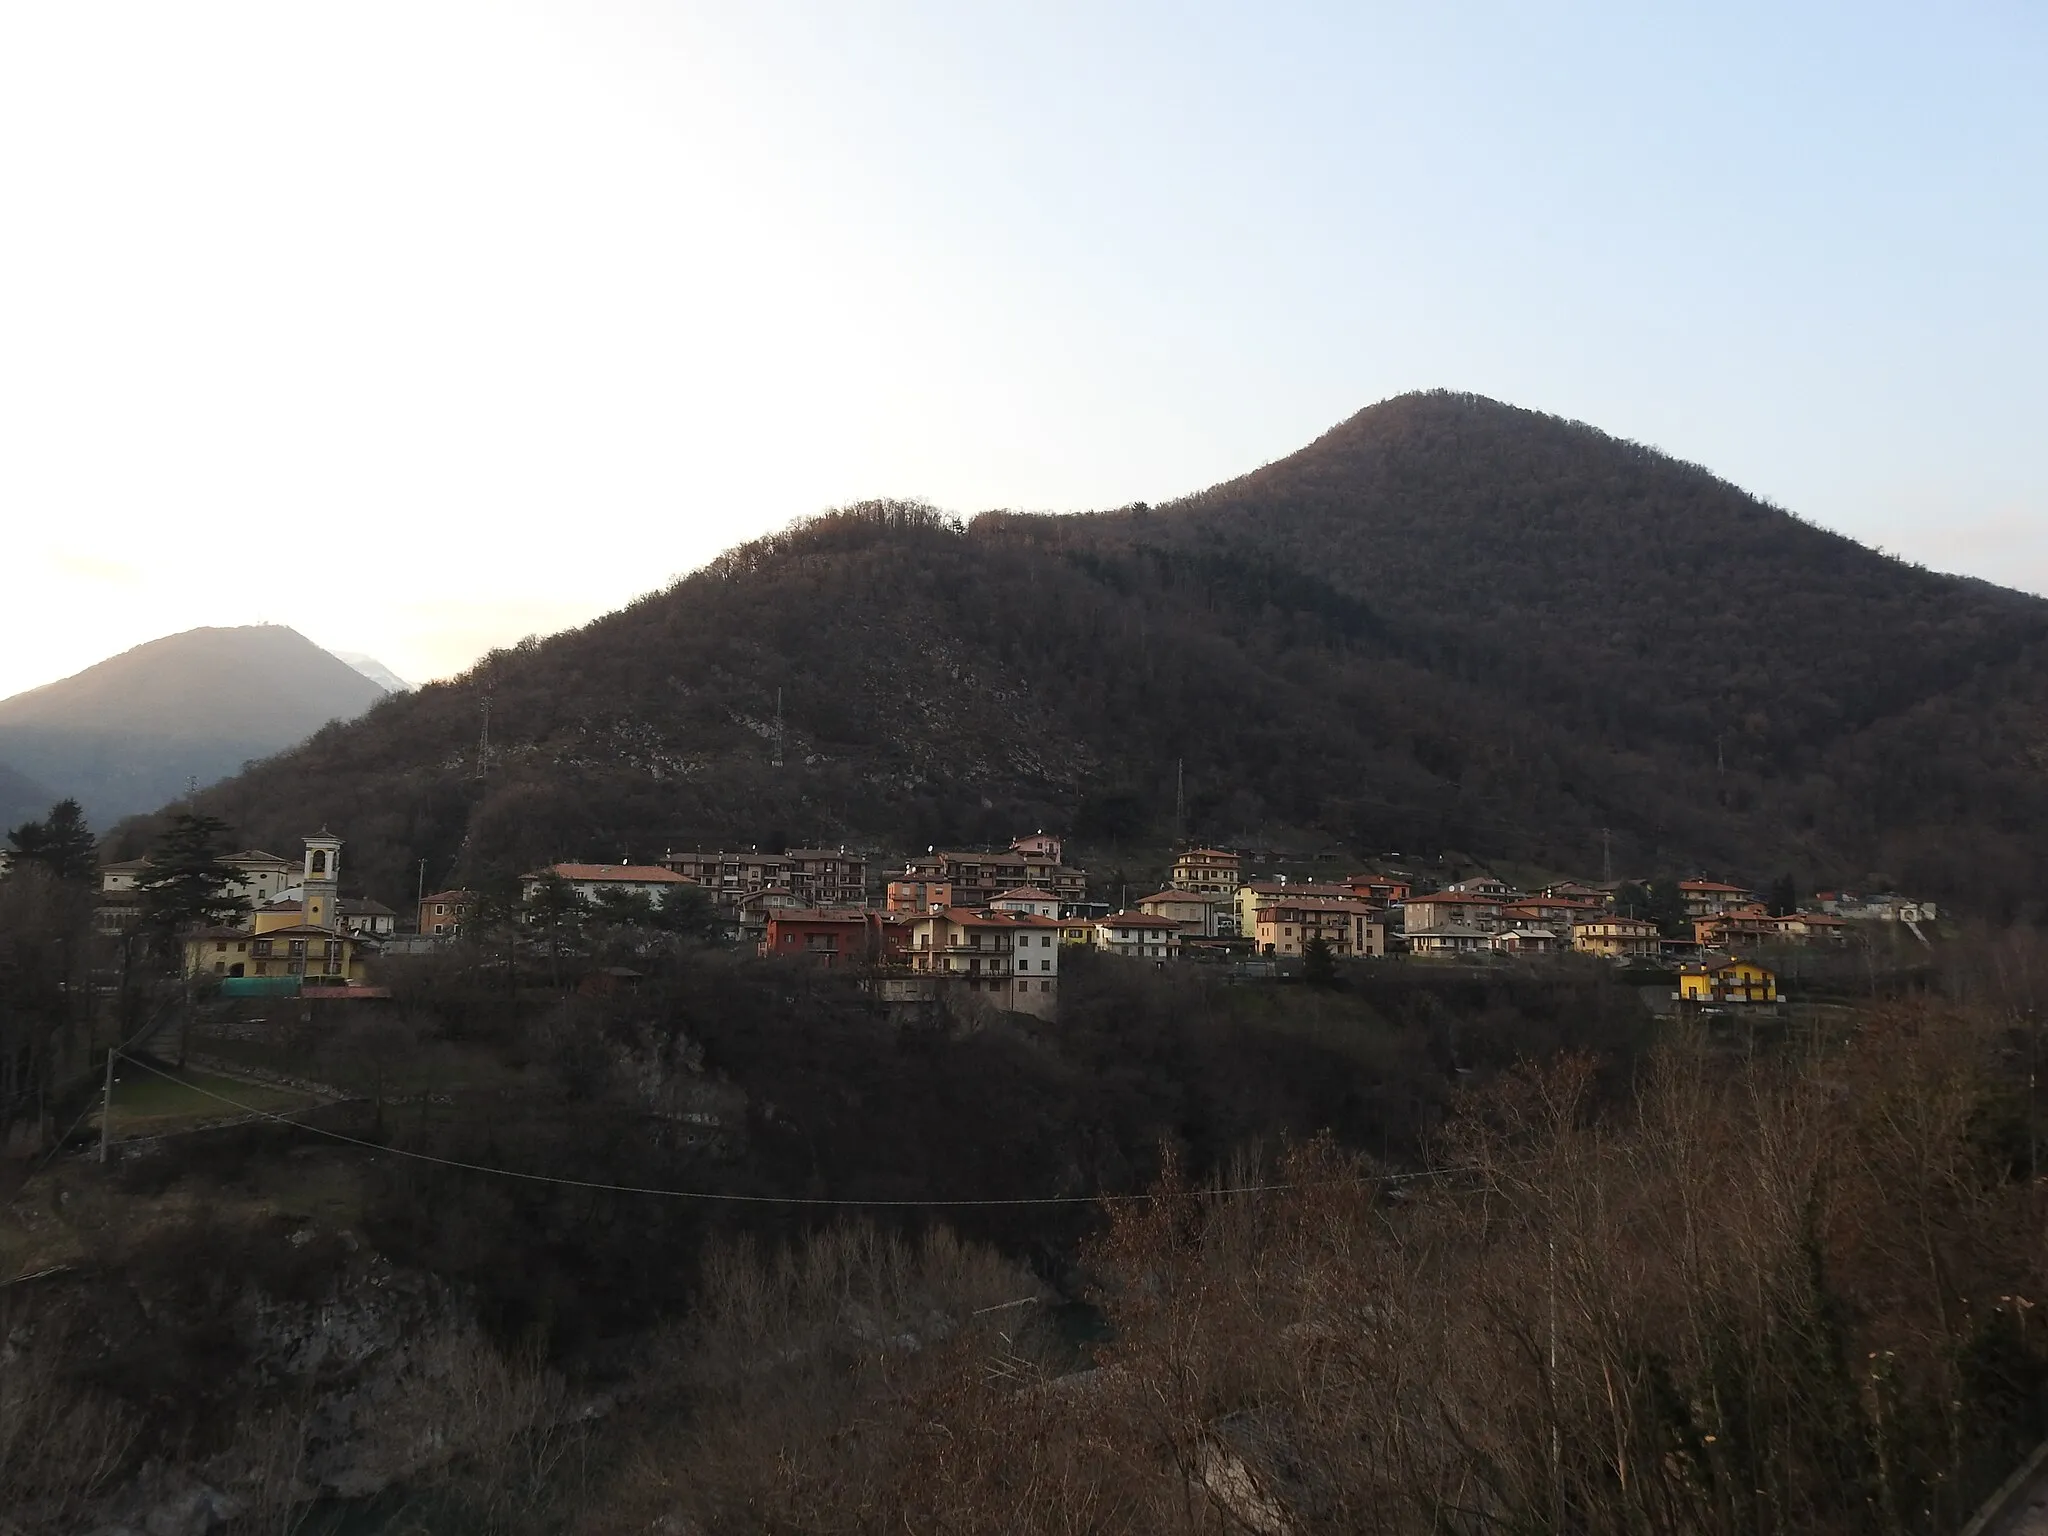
(305,937)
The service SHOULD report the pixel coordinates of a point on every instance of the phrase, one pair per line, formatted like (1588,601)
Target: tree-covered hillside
(1447,623)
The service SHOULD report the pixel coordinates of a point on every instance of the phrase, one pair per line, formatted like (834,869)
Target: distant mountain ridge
(1446,624)
(129,733)
(375,671)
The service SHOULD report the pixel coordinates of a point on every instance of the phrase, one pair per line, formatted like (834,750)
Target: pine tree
(61,842)
(186,884)
(1318,962)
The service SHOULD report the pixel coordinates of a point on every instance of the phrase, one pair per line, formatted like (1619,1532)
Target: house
(918,895)
(1749,923)
(1710,898)
(117,878)
(1616,938)
(653,881)
(1451,909)
(1452,939)
(727,876)
(978,878)
(747,918)
(303,937)
(1039,845)
(1526,941)
(831,936)
(260,878)
(1727,980)
(1027,898)
(1382,889)
(1481,885)
(1138,935)
(1811,928)
(289,949)
(1213,871)
(1008,959)
(1548,911)
(368,919)
(827,877)
(1201,914)
(1263,893)
(443,913)
(1351,929)
(1880,908)
(1573,890)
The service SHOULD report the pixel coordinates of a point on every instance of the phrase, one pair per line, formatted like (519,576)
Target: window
(1045,965)
(220,946)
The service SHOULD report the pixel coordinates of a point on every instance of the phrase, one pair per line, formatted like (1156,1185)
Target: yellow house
(1727,981)
(285,949)
(1616,938)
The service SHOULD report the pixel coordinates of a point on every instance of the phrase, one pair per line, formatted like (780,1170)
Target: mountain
(128,733)
(375,671)
(1446,624)
(22,798)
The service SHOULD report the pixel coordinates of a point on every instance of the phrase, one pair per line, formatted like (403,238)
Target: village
(989,926)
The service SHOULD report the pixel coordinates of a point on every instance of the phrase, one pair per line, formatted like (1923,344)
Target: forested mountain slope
(1446,624)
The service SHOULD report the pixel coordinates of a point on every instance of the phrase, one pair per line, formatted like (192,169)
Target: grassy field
(146,1104)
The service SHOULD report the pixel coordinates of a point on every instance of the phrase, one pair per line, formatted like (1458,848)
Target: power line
(732,1199)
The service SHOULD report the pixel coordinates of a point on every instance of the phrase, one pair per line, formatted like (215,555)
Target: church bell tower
(321,882)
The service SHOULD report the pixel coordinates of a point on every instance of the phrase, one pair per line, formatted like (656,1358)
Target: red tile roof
(632,874)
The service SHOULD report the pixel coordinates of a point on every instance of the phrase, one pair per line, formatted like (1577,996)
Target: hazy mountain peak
(133,731)
(375,671)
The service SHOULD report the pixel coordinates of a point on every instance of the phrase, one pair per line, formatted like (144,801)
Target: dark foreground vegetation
(1417,1251)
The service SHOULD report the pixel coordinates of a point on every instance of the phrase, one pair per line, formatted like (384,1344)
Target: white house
(1139,935)
(1027,898)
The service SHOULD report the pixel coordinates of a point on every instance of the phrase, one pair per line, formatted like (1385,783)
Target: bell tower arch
(320,882)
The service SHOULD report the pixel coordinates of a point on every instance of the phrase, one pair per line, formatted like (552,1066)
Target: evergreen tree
(1318,962)
(558,909)
(186,884)
(1783,897)
(1667,909)
(61,843)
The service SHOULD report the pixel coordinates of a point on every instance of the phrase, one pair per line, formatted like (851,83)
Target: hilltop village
(991,925)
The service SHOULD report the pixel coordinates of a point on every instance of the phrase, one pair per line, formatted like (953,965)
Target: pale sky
(423,326)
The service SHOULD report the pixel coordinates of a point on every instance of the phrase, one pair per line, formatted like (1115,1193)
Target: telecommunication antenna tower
(483,740)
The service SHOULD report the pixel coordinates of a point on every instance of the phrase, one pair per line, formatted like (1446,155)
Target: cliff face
(1446,624)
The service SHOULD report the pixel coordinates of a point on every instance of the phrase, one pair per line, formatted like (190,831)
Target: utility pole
(420,899)
(107,1104)
(483,741)
(778,728)
(1180,800)
(1606,859)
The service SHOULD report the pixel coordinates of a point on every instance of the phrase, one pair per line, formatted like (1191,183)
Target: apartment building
(1213,871)
(977,879)
(1351,929)
(817,877)
(1008,959)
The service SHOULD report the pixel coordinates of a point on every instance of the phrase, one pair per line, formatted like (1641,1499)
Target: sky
(424,326)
